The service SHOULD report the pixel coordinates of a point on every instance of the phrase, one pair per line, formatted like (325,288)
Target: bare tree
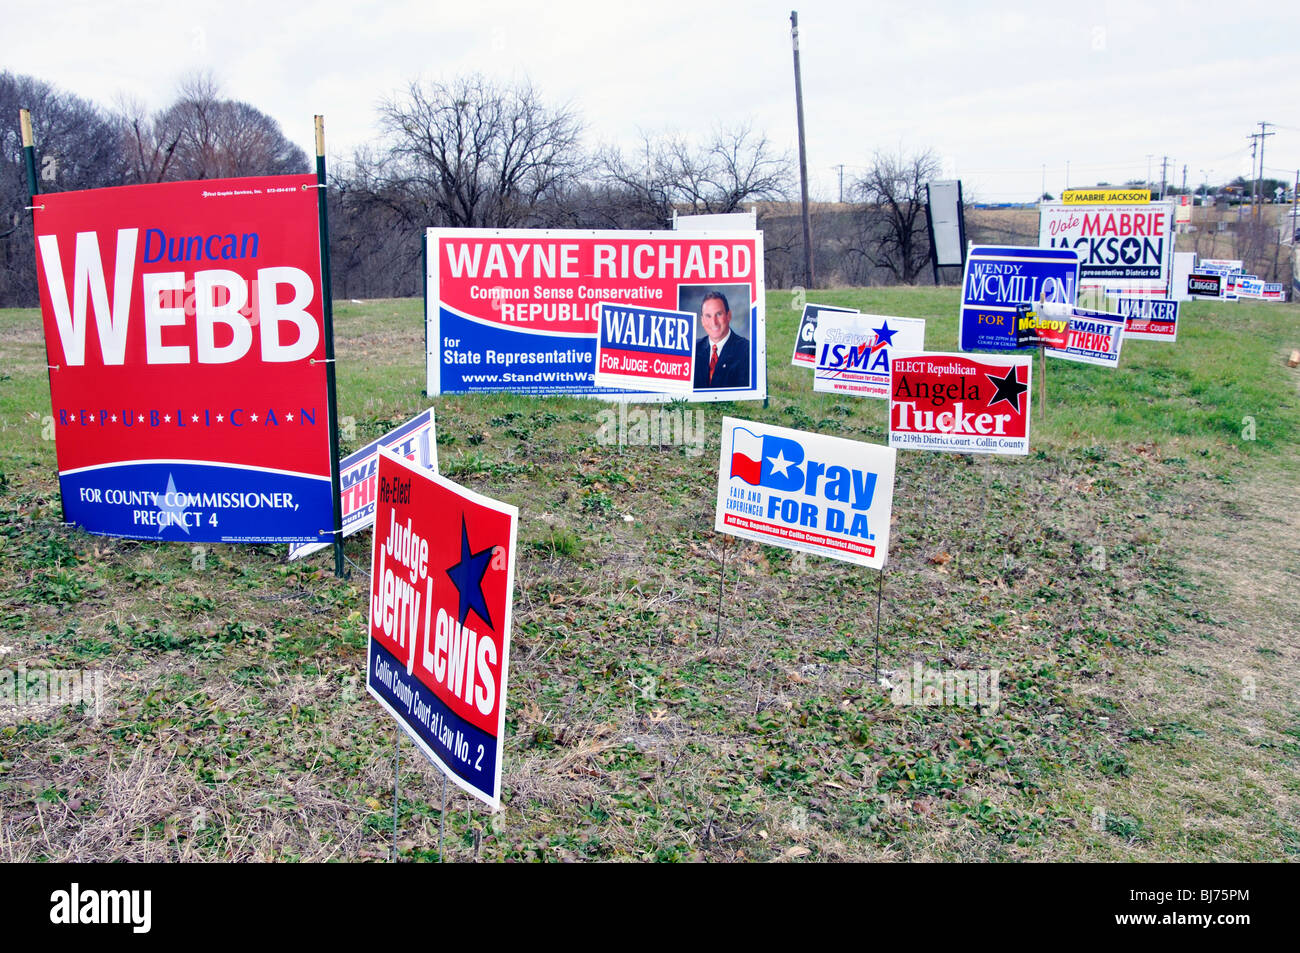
(893,234)
(471,153)
(75,149)
(202,136)
(732,167)
(147,149)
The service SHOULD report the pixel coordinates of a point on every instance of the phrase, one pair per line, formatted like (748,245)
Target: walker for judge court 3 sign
(805,491)
(441,592)
(185,338)
(645,349)
(960,403)
(518,310)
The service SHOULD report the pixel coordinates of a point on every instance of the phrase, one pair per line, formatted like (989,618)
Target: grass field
(1132,582)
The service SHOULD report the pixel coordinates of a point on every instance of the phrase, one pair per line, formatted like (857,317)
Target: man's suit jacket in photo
(733,363)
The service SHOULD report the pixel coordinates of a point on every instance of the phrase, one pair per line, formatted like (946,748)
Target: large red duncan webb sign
(185,338)
(441,593)
(524,310)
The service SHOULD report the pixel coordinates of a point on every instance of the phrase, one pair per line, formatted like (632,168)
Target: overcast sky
(1004,95)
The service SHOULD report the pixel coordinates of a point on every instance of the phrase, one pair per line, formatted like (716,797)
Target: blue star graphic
(884,335)
(467,576)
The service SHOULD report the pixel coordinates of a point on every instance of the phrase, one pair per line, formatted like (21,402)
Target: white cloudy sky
(999,90)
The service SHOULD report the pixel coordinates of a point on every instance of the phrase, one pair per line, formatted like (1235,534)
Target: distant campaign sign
(1220,266)
(805,345)
(1095,338)
(358,474)
(185,339)
(959,403)
(1106,196)
(1148,319)
(999,279)
(1205,285)
(1128,245)
(645,349)
(1043,325)
(805,491)
(441,584)
(518,310)
(853,351)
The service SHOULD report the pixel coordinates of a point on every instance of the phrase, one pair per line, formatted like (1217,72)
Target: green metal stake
(327,309)
(33,188)
(29,150)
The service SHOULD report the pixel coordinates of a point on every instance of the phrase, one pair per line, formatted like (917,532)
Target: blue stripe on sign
(197,503)
(467,750)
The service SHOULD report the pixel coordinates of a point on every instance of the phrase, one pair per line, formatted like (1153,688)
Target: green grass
(637,727)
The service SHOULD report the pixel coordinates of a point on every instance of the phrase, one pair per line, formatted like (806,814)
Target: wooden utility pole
(1263,133)
(803,154)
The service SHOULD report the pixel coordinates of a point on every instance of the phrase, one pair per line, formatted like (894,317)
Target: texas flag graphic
(746,456)
(766,460)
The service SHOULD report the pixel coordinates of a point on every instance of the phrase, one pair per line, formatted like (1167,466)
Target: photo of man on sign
(722,353)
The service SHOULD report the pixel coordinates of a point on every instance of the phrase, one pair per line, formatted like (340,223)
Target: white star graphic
(194,418)
(176,511)
(220,418)
(253,417)
(289,416)
(142,418)
(780,464)
(167,418)
(115,418)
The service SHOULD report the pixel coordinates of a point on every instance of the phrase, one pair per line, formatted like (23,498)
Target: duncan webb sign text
(186,344)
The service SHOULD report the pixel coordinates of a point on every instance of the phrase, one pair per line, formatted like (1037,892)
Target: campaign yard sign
(358,474)
(1148,319)
(960,403)
(1042,325)
(1130,246)
(441,585)
(805,491)
(999,279)
(645,349)
(805,343)
(518,310)
(185,337)
(1205,285)
(1221,266)
(1095,338)
(853,351)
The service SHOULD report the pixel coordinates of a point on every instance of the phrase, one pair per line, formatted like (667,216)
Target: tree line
(462,153)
